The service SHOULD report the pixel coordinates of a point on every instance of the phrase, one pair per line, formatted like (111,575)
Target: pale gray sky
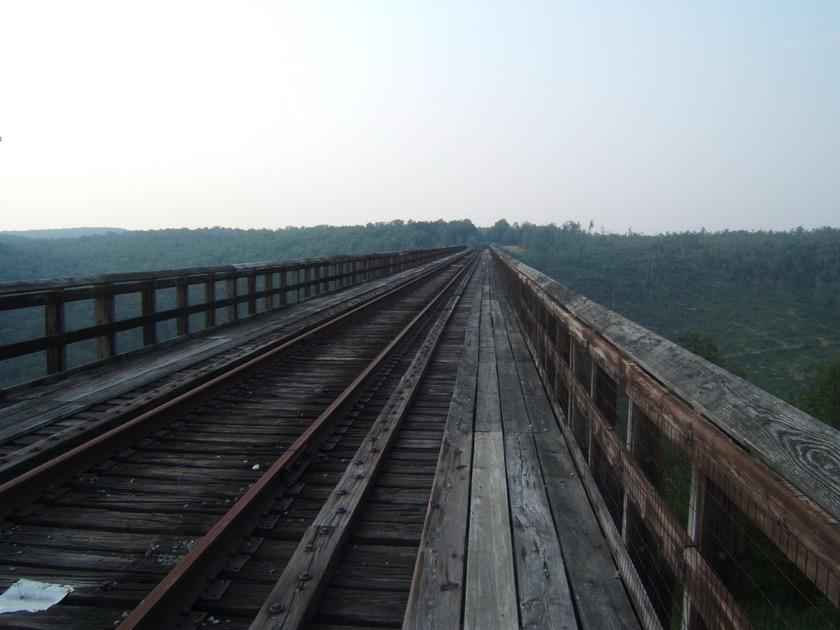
(660,116)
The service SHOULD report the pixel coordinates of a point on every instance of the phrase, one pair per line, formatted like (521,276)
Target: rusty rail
(186,580)
(49,327)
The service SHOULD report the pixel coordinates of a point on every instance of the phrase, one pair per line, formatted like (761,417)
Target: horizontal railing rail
(720,502)
(48,327)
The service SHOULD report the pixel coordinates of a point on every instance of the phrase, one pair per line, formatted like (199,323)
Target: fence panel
(50,326)
(725,498)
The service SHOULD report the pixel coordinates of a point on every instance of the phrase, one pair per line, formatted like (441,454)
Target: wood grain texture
(491,580)
(292,600)
(437,588)
(803,450)
(599,595)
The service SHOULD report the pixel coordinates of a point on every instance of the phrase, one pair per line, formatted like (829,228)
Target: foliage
(821,397)
(114,252)
(770,299)
(704,345)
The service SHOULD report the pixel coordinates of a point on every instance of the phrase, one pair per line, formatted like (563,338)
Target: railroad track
(288,488)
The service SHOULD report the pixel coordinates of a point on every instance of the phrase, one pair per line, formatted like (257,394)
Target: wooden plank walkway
(510,538)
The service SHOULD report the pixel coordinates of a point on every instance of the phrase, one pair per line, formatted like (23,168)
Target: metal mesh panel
(79,314)
(21,369)
(127,305)
(128,340)
(663,589)
(167,329)
(81,352)
(769,587)
(21,324)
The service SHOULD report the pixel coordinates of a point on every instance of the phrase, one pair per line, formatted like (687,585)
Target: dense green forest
(23,258)
(769,301)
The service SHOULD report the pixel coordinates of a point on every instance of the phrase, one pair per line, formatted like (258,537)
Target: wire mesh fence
(717,539)
(49,327)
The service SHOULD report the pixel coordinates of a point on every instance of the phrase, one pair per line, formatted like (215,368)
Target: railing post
(148,306)
(251,284)
(103,315)
(282,282)
(696,510)
(268,287)
(54,325)
(230,291)
(303,283)
(317,279)
(209,301)
(181,301)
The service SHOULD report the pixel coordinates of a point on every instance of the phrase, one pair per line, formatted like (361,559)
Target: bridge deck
(519,528)
(510,538)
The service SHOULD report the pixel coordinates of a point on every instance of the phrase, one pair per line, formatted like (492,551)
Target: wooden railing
(50,326)
(720,502)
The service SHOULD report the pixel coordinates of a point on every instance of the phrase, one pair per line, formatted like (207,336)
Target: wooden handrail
(773,464)
(37,316)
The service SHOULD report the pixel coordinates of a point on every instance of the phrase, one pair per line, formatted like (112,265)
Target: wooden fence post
(103,315)
(148,306)
(209,301)
(181,301)
(54,325)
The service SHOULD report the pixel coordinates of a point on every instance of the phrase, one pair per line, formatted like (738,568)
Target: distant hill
(771,300)
(62,232)
(115,251)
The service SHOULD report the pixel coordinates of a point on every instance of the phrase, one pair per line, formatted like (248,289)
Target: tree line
(768,301)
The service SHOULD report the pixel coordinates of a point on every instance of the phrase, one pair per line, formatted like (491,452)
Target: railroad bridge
(428,439)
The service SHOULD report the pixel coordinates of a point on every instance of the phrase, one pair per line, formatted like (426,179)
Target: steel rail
(293,598)
(162,606)
(27,486)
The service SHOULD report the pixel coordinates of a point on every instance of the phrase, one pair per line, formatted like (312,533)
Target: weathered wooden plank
(600,596)
(291,602)
(487,416)
(490,599)
(810,535)
(301,311)
(513,409)
(393,565)
(601,599)
(487,413)
(437,588)
(544,597)
(58,400)
(491,580)
(801,449)
(487,346)
(365,609)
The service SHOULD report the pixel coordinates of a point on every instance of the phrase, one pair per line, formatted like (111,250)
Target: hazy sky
(655,116)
